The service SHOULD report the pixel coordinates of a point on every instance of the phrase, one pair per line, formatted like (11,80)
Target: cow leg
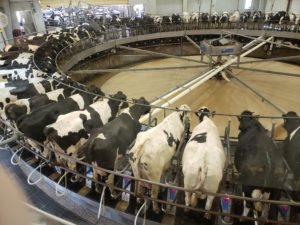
(188,196)
(111,177)
(208,205)
(154,194)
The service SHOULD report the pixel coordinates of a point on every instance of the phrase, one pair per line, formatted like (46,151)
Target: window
(248,4)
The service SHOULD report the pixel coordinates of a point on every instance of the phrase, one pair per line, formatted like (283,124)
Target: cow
(153,150)
(258,162)
(224,18)
(176,19)
(215,18)
(33,124)
(235,17)
(68,137)
(24,106)
(257,16)
(280,17)
(245,16)
(203,160)
(166,20)
(186,18)
(11,93)
(291,152)
(107,145)
(14,59)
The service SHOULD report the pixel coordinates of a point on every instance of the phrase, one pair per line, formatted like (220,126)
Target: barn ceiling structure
(130,111)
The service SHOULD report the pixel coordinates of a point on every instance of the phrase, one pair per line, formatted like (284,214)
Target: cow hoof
(207,216)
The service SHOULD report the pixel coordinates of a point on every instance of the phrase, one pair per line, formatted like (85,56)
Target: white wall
(167,7)
(193,5)
(279,5)
(295,6)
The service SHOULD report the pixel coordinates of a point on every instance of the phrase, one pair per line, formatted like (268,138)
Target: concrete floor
(220,96)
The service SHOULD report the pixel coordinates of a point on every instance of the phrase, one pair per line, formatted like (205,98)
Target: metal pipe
(11,139)
(154,183)
(260,95)
(157,53)
(271,42)
(96,71)
(191,41)
(204,77)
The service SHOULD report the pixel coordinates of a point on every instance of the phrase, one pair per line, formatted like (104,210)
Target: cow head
(184,112)
(291,121)
(246,119)
(202,112)
(121,96)
(141,107)
(13,111)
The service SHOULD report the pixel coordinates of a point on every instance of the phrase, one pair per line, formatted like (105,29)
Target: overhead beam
(97,71)
(157,53)
(270,42)
(272,59)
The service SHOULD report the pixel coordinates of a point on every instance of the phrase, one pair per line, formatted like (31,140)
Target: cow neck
(294,132)
(115,106)
(136,111)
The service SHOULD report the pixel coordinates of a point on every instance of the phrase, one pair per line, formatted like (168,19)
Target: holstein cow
(107,145)
(292,155)
(67,137)
(24,106)
(203,161)
(151,155)
(11,94)
(292,142)
(259,163)
(33,124)
(224,18)
(215,18)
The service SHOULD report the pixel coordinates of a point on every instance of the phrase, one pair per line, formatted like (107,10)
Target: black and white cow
(257,16)
(68,137)
(33,124)
(25,106)
(291,153)
(16,59)
(215,18)
(245,16)
(156,143)
(259,163)
(280,17)
(203,160)
(292,142)
(224,18)
(176,19)
(12,93)
(107,145)
(166,20)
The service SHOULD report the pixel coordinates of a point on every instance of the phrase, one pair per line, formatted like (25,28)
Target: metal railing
(45,161)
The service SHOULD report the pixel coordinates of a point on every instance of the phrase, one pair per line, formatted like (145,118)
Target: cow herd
(81,123)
